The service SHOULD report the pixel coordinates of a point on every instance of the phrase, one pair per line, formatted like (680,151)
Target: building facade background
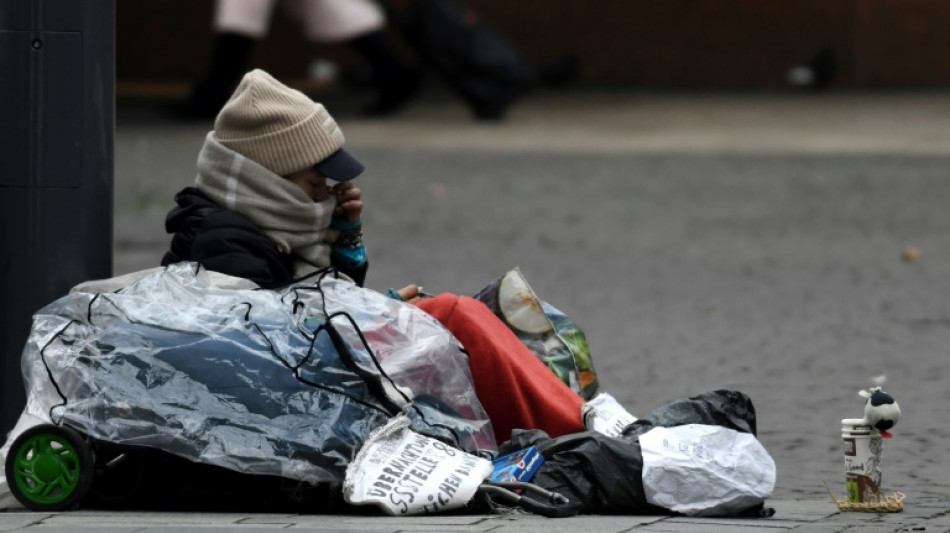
(666,44)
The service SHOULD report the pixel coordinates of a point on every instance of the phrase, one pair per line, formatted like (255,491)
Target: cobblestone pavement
(703,242)
(802,516)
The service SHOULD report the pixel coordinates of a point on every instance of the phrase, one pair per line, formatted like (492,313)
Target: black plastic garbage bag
(731,409)
(604,473)
(599,471)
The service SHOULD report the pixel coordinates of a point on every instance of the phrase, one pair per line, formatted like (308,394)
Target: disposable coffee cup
(863,448)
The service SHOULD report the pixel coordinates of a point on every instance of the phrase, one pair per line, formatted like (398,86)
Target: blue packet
(519,466)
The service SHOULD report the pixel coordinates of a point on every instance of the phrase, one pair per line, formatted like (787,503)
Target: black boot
(396,82)
(229,59)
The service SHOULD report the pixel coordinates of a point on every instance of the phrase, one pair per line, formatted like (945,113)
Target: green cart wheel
(49,468)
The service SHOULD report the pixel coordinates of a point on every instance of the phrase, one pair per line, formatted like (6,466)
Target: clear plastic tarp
(287,383)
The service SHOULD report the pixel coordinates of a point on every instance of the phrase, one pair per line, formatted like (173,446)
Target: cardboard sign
(405,473)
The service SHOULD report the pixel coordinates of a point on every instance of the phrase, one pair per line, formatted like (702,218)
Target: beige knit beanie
(281,128)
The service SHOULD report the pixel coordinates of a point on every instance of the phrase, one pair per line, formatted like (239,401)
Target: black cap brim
(340,166)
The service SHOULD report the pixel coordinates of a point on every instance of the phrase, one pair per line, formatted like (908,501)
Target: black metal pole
(57,127)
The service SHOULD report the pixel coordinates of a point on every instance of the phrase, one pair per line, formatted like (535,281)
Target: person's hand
(349,201)
(410,293)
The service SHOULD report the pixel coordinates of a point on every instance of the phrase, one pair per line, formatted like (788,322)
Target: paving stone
(85,528)
(585,523)
(235,529)
(137,517)
(709,527)
(803,510)
(425,523)
(13,521)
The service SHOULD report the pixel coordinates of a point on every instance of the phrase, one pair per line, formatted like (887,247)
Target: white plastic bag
(605,415)
(703,470)
(405,473)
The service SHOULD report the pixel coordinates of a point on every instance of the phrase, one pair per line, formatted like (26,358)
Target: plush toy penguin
(880,411)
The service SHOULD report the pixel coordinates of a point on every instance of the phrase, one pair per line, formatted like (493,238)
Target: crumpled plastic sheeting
(704,470)
(250,380)
(605,473)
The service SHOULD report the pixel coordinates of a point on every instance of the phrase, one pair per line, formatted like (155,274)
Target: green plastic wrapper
(550,334)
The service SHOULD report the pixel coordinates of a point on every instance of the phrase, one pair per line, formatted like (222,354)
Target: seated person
(274,201)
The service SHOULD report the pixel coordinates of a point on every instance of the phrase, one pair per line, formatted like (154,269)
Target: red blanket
(515,388)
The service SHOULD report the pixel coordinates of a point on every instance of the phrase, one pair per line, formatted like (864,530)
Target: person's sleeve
(356,273)
(347,253)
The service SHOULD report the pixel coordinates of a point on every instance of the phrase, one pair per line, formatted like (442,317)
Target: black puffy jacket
(228,242)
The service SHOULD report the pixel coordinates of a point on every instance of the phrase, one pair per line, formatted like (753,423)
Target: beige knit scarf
(281,209)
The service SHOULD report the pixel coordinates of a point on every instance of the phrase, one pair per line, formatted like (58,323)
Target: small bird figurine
(880,411)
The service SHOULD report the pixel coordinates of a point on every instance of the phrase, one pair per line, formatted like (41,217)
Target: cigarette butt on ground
(911,253)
